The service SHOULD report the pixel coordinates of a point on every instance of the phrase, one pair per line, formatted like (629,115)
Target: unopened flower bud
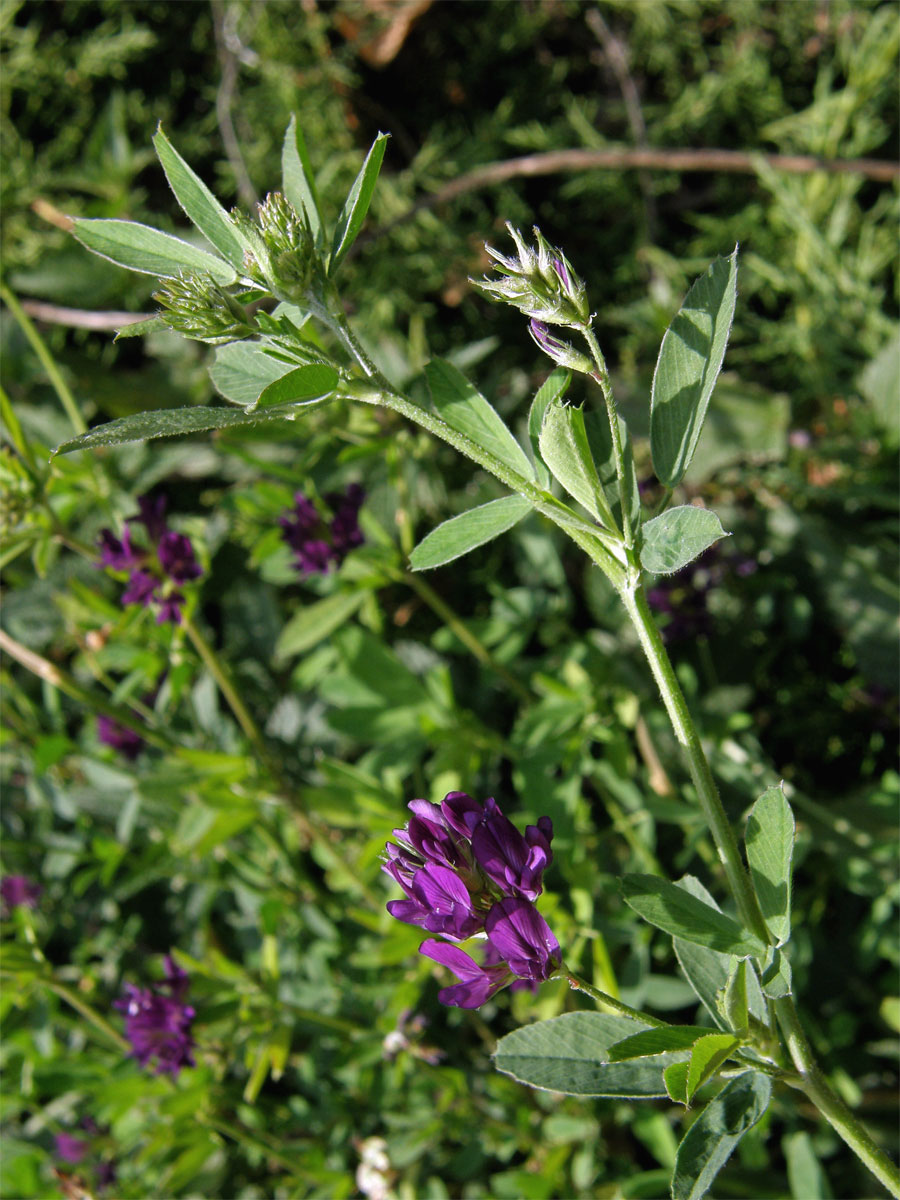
(539,281)
(561,352)
(198,307)
(289,246)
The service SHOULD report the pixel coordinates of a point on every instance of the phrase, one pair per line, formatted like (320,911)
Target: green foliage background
(298,974)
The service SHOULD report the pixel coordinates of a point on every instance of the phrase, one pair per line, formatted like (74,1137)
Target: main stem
(829,1103)
(636,605)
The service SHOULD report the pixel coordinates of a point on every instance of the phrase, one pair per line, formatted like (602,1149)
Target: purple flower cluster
(17,891)
(120,737)
(152,571)
(74,1150)
(467,870)
(158,1021)
(318,543)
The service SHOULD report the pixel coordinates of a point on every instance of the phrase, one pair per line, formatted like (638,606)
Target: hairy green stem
(601,376)
(581,985)
(828,1102)
(686,732)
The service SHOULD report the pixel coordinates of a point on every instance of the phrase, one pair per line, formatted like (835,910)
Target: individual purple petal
(477,984)
(120,737)
(176,557)
(345,531)
(522,938)
(141,588)
(117,553)
(448,901)
(170,607)
(559,267)
(69,1148)
(514,864)
(461,812)
(314,557)
(152,515)
(438,901)
(17,891)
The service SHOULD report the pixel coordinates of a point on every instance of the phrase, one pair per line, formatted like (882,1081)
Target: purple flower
(345,531)
(120,737)
(169,560)
(142,588)
(176,557)
(69,1148)
(563,353)
(515,863)
(170,608)
(477,983)
(158,1021)
(521,936)
(17,891)
(116,553)
(438,901)
(466,870)
(152,515)
(317,542)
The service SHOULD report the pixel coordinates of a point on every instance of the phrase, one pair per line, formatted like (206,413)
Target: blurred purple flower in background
(120,737)
(69,1148)
(158,1021)
(467,870)
(17,891)
(169,560)
(319,543)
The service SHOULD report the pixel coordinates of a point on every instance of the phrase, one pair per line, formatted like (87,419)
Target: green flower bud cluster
(198,307)
(290,251)
(539,281)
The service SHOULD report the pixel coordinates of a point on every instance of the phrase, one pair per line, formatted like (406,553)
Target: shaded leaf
(242,371)
(464,409)
(777,977)
(314,381)
(708,1144)
(601,443)
(676,911)
(469,530)
(141,248)
(567,452)
(554,387)
(356,205)
(733,1004)
(707,1056)
(708,971)
(678,536)
(656,1041)
(689,362)
(769,839)
(675,1079)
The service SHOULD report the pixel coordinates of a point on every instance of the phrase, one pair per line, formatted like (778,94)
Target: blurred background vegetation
(785,641)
